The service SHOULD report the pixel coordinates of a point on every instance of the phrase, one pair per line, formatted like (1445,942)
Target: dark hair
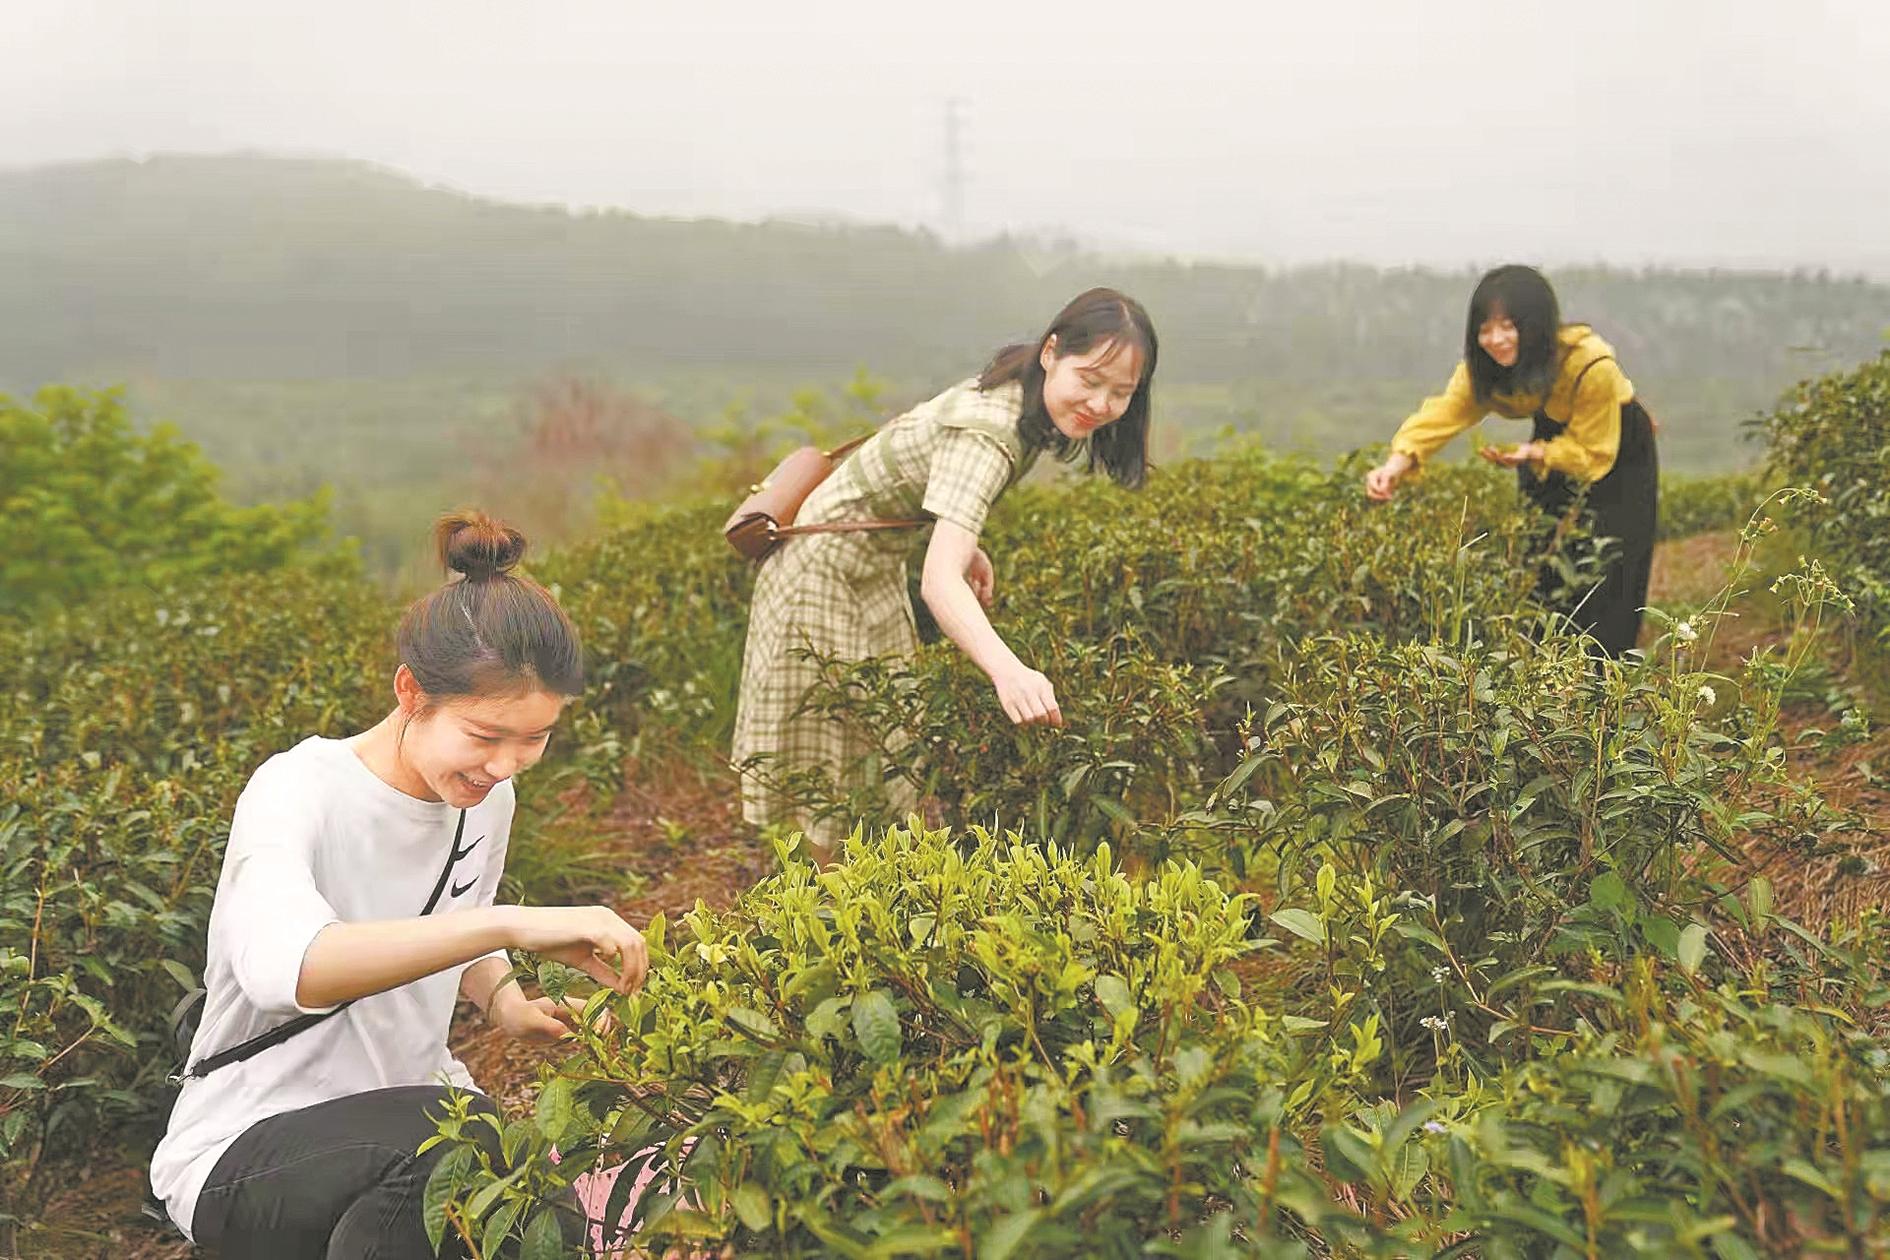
(489,631)
(1522,295)
(1093,318)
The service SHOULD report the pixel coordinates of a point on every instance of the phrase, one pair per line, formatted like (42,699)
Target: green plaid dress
(845,595)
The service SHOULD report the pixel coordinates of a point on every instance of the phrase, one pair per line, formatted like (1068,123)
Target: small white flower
(1439,1024)
(1708,697)
(1685,632)
(1438,974)
(1436,1126)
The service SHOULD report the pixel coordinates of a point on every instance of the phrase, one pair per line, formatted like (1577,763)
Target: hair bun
(472,543)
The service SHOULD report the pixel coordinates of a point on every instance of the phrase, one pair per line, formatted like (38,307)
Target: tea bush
(661,602)
(1723,1098)
(1354,912)
(1834,434)
(1735,1115)
(1135,746)
(131,724)
(1707,504)
(1226,560)
(974,1046)
(984,1046)
(1528,806)
(1159,616)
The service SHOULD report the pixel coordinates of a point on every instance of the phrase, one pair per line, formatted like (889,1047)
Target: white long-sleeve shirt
(319,838)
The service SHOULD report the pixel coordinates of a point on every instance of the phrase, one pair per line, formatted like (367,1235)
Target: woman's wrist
(1008,663)
(482,981)
(499,997)
(502,926)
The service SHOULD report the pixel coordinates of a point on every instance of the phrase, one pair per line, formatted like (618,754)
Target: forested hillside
(249,267)
(323,321)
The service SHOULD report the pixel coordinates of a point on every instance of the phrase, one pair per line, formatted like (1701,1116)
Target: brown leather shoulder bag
(766,516)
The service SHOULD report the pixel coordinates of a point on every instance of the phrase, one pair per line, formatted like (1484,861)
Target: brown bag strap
(846,527)
(837,454)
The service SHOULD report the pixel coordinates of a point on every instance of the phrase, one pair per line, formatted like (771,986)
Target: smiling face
(1499,338)
(457,751)
(1084,392)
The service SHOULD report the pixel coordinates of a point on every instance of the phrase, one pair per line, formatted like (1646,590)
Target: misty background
(363,244)
(1679,132)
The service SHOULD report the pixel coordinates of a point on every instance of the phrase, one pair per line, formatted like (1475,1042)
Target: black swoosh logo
(453,859)
(460,854)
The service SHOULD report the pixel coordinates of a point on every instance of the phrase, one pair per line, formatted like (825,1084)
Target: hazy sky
(1684,131)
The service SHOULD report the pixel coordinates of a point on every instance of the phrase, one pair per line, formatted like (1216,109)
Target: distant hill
(253,268)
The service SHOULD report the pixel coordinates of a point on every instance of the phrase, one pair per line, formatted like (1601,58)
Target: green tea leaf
(752,1206)
(543,1239)
(1692,947)
(1303,923)
(876,1026)
(1113,992)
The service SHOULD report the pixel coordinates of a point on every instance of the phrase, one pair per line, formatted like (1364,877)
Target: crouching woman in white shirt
(359,879)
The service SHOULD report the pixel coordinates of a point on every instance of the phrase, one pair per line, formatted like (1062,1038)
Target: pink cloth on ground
(593,1192)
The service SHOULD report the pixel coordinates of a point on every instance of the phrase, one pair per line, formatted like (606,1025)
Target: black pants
(1623,509)
(336,1181)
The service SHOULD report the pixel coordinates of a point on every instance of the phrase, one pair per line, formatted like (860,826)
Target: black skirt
(1621,508)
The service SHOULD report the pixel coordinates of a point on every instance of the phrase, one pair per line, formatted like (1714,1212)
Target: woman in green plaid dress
(1081,390)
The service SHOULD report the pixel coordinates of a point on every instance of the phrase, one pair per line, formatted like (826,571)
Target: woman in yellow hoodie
(1591,433)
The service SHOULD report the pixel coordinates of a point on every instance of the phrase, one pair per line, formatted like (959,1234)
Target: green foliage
(130,724)
(1523,809)
(1706,504)
(1736,1117)
(1158,616)
(91,505)
(940,1047)
(943,1047)
(1356,912)
(1136,743)
(662,605)
(1526,801)
(1834,434)
(1513,1002)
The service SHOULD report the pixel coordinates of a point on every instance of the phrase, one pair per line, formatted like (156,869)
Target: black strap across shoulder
(301,1023)
(1548,427)
(1576,388)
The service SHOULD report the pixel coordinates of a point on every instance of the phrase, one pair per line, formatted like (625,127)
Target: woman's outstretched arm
(354,960)
(1025,693)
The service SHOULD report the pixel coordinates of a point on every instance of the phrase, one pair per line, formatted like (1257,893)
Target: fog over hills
(1742,133)
(253,267)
